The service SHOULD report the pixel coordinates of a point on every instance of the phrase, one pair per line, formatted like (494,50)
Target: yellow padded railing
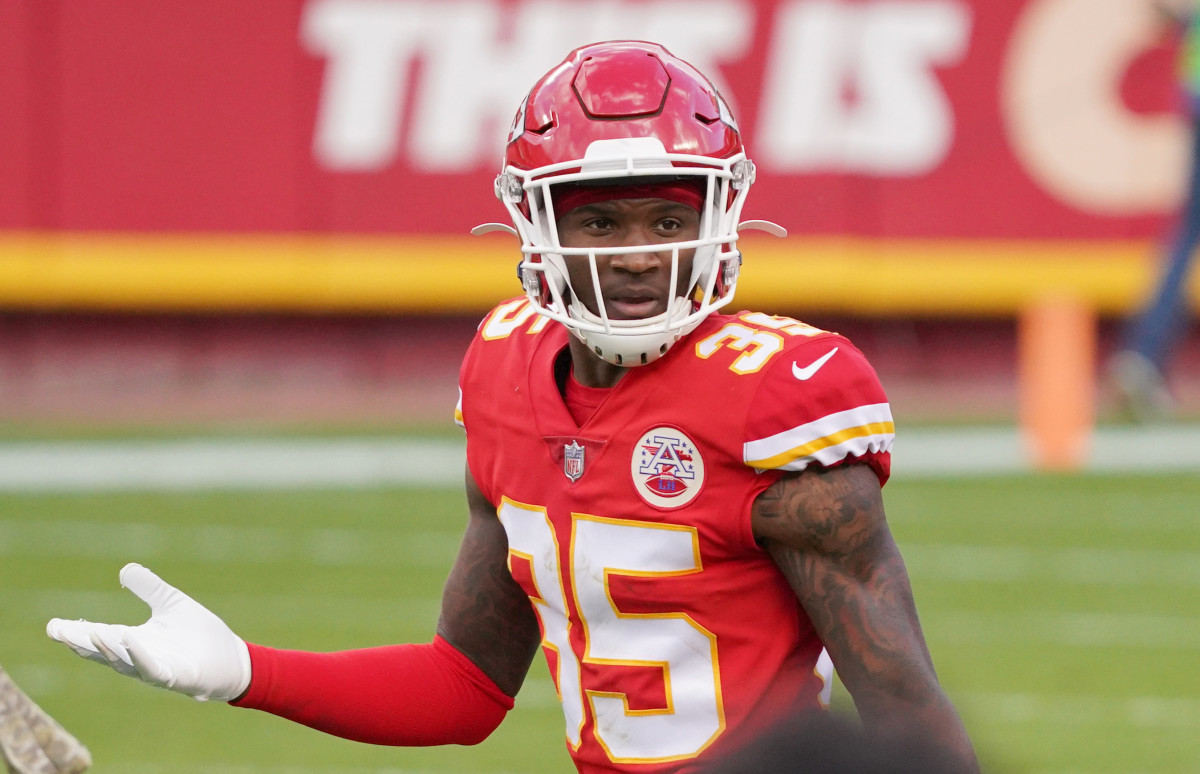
(432,274)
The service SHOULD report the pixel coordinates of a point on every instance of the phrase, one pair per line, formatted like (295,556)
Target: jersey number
(686,652)
(756,346)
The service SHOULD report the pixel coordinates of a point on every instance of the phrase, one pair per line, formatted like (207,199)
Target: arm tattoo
(827,532)
(485,614)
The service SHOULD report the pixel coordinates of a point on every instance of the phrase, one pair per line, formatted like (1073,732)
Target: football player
(681,507)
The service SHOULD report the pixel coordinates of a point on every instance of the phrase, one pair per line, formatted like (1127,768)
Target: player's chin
(634,309)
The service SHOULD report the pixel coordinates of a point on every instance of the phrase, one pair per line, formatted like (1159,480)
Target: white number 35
(685,652)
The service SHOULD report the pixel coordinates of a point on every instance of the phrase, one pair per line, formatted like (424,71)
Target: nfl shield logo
(573,460)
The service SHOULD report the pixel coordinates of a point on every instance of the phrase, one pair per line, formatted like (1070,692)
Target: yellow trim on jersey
(826,440)
(808,452)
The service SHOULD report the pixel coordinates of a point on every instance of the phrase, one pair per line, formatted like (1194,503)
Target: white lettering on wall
(852,87)
(1065,117)
(848,86)
(368,48)
(476,59)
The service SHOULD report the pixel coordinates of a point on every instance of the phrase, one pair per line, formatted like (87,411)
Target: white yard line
(229,464)
(227,543)
(381,547)
(1150,449)
(268,610)
(994,628)
(225,768)
(1078,565)
(65,466)
(1085,709)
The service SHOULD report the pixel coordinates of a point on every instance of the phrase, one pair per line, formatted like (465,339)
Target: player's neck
(591,371)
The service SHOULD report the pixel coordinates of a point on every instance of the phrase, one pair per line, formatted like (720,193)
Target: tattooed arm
(827,532)
(485,614)
(454,690)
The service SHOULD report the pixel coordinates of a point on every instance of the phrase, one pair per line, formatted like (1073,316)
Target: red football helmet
(631,113)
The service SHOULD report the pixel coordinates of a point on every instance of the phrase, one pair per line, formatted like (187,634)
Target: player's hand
(183,647)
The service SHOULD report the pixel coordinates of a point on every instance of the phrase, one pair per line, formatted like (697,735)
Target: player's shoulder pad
(750,343)
(515,315)
(818,402)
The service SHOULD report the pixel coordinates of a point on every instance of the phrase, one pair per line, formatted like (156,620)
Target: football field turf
(1063,612)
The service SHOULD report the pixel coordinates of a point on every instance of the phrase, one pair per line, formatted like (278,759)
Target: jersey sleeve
(499,354)
(404,695)
(819,406)
(465,370)
(500,324)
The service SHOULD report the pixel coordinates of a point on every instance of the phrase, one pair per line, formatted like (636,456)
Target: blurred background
(247,224)
(257,214)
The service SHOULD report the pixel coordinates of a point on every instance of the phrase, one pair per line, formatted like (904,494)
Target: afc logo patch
(667,468)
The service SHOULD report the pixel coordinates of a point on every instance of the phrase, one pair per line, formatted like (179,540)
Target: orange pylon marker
(1056,341)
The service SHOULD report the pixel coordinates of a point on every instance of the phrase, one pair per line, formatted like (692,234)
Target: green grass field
(1062,611)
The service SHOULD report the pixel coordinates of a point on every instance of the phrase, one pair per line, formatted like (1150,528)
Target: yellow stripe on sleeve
(852,441)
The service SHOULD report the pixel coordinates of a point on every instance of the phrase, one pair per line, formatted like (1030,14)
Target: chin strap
(634,349)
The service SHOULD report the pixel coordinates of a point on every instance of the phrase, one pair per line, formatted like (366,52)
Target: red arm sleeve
(403,695)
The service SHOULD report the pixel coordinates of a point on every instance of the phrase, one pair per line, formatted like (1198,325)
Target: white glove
(183,647)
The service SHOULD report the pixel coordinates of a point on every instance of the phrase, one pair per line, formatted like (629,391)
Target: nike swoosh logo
(810,370)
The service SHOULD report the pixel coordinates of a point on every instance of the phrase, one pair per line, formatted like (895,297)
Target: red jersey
(670,634)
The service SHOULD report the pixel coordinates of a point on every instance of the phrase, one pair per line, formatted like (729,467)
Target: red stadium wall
(947,156)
